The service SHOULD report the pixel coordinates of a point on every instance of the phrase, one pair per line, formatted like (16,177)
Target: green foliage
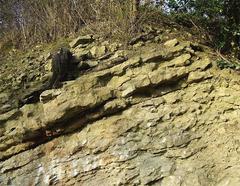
(220,18)
(226,64)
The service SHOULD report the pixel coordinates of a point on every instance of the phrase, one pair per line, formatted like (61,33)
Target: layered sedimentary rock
(159,114)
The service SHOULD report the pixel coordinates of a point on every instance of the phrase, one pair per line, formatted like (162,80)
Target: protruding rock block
(81,40)
(171,43)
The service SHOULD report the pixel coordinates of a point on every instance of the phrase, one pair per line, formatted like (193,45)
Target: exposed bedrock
(159,114)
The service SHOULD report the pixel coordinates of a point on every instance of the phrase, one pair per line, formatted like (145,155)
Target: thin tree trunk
(135,10)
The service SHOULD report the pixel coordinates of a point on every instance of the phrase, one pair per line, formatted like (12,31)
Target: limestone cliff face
(160,113)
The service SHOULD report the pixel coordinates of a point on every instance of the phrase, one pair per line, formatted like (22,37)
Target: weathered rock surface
(163,115)
(81,40)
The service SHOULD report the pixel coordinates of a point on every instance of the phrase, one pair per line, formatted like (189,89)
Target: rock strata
(163,114)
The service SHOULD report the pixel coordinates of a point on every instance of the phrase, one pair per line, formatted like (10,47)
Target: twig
(221,56)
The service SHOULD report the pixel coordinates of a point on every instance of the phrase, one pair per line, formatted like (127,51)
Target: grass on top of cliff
(109,19)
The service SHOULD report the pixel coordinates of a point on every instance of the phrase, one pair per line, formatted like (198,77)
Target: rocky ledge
(161,113)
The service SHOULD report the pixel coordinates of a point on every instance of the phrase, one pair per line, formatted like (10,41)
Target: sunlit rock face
(158,113)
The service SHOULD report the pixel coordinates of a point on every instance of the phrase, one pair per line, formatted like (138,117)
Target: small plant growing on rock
(226,64)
